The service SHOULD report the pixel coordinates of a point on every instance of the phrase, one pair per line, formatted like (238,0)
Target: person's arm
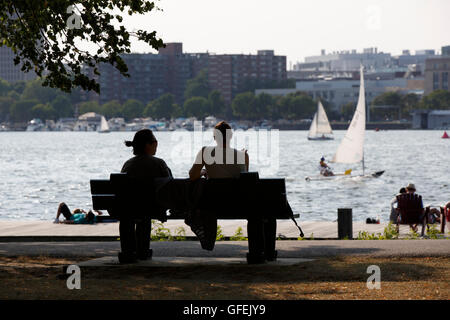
(196,169)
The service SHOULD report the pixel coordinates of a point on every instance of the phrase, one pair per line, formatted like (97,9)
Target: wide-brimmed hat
(411,186)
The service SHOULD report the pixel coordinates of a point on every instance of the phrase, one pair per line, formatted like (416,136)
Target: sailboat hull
(340,177)
(320,138)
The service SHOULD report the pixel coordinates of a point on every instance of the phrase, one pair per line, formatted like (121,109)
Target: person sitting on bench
(222,161)
(135,235)
(78,216)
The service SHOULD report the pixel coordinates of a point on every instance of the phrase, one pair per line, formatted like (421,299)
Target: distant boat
(320,126)
(351,149)
(445,136)
(104,127)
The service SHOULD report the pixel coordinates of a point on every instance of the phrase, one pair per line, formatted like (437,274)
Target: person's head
(322,159)
(144,142)
(411,188)
(222,133)
(402,190)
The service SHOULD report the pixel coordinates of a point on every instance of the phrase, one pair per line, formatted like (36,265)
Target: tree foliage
(198,86)
(198,107)
(439,99)
(45,37)
(162,107)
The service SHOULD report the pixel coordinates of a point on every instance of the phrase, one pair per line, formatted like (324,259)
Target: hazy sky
(299,28)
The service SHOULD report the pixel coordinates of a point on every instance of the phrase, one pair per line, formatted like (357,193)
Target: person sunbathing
(78,216)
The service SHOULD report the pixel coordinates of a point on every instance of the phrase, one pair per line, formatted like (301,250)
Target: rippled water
(40,169)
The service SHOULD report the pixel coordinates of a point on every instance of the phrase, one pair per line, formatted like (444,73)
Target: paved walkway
(285,228)
(286,248)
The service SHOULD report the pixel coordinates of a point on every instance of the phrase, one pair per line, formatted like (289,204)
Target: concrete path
(111,261)
(285,228)
(286,248)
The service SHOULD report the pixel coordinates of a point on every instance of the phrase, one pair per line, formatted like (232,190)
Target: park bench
(249,197)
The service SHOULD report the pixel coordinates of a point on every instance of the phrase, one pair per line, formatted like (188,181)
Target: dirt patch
(330,278)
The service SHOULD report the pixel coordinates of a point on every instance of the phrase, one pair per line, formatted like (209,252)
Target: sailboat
(320,126)
(351,149)
(104,127)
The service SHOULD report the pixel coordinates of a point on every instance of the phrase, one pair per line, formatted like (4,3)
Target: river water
(40,169)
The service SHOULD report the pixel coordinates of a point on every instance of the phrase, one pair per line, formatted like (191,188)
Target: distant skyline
(298,28)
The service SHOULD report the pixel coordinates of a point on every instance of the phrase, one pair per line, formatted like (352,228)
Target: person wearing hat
(135,236)
(325,170)
(411,189)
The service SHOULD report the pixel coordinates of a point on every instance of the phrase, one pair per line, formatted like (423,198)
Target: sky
(298,28)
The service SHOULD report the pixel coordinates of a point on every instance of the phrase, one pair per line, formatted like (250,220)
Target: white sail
(351,149)
(104,127)
(320,124)
(313,128)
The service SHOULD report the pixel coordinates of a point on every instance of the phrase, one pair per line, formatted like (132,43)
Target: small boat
(351,149)
(445,135)
(320,126)
(104,127)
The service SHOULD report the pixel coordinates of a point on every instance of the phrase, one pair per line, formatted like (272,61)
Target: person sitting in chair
(411,194)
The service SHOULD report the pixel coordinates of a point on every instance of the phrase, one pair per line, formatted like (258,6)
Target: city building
(436,74)
(231,73)
(346,61)
(147,81)
(431,119)
(418,59)
(152,75)
(9,71)
(339,92)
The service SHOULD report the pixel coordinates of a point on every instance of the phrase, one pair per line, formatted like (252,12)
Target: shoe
(272,256)
(256,259)
(127,257)
(145,255)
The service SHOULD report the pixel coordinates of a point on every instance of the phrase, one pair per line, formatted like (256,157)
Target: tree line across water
(23,101)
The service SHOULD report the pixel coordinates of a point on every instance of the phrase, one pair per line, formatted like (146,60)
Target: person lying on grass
(78,216)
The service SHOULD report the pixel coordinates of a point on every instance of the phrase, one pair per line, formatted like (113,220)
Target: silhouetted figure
(135,234)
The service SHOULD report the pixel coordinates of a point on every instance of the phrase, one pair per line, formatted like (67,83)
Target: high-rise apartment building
(9,71)
(229,73)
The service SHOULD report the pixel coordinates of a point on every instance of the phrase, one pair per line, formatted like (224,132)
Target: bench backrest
(410,207)
(225,198)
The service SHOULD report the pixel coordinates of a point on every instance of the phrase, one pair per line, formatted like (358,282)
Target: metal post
(345,223)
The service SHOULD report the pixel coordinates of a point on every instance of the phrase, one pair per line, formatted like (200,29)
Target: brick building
(229,73)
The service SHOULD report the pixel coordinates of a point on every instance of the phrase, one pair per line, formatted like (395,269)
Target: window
(445,80)
(435,80)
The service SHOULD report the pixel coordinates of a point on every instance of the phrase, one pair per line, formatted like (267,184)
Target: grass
(330,278)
